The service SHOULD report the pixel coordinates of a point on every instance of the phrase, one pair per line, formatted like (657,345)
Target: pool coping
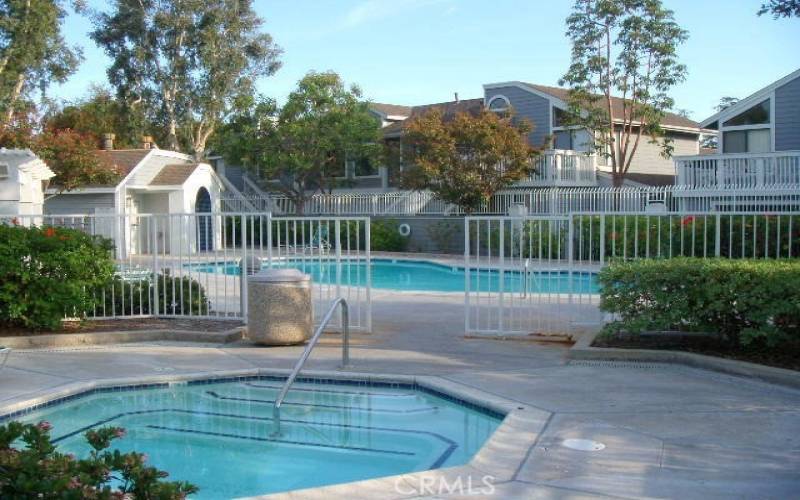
(498,460)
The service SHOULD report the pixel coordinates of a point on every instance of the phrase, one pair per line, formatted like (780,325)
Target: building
(758,142)
(23,180)
(151,181)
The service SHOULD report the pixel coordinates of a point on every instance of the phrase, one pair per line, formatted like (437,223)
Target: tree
(726,102)
(304,146)
(99,113)
(72,156)
(625,47)
(466,159)
(190,63)
(33,54)
(780,8)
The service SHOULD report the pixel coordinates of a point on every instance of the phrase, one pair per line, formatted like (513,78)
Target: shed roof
(174,175)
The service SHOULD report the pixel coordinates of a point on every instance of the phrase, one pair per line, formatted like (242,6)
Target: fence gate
(192,265)
(520,278)
(539,274)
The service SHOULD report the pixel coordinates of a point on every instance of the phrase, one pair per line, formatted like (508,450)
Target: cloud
(374,10)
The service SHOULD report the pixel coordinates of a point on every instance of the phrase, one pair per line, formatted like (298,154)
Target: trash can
(279,310)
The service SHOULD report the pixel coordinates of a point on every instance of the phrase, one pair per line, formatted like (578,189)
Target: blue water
(217,436)
(425,276)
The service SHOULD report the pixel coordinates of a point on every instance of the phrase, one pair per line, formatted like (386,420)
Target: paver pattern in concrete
(669,431)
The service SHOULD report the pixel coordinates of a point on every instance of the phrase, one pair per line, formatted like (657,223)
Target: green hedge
(176,295)
(48,272)
(745,300)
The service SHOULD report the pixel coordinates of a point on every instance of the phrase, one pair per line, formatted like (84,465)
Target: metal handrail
(276,409)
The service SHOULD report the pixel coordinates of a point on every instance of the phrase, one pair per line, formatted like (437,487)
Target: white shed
(23,180)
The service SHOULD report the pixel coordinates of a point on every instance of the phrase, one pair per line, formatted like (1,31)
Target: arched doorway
(205,228)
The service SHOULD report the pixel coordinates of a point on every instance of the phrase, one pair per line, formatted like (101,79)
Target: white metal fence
(191,265)
(541,201)
(539,274)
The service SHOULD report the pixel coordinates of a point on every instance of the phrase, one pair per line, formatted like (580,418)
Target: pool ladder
(276,408)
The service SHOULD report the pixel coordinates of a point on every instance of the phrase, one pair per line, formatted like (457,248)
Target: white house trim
(750,101)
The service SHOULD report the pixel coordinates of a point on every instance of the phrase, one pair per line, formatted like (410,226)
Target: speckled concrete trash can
(279,310)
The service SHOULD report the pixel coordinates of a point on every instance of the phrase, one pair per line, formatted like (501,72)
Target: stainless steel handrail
(276,409)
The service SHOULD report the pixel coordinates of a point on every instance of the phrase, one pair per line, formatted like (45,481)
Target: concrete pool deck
(669,431)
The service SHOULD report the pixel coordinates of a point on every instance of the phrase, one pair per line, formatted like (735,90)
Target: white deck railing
(738,171)
(543,201)
(559,167)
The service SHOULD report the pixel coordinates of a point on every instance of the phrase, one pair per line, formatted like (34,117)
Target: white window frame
(494,98)
(725,116)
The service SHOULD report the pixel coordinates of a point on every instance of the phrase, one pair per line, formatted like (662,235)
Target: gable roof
(617,104)
(122,160)
(390,109)
(174,175)
(751,100)
(448,109)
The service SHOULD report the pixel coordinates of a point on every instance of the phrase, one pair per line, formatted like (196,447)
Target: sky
(424,51)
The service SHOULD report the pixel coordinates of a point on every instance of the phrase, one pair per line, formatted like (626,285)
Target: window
(499,104)
(3,171)
(559,117)
(757,115)
(747,141)
(562,139)
(363,167)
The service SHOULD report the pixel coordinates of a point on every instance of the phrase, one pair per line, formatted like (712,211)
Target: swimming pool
(216,434)
(393,274)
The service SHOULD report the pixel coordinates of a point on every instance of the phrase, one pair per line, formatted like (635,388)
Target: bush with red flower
(32,467)
(48,272)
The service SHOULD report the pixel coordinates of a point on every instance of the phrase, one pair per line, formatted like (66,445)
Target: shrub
(38,470)
(384,236)
(176,295)
(48,272)
(744,300)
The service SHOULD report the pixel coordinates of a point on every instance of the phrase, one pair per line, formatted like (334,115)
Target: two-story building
(758,143)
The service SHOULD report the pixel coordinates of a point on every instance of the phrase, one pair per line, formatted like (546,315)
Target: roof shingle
(173,175)
(670,119)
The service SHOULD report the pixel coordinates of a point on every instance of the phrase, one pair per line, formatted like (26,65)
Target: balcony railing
(737,171)
(564,168)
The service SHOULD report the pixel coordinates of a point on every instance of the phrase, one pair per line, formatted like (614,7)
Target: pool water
(425,276)
(217,435)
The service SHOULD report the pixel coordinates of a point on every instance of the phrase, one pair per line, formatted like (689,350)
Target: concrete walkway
(669,431)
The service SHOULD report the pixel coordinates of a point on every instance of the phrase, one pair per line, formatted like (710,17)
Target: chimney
(108,142)
(147,142)
(456,97)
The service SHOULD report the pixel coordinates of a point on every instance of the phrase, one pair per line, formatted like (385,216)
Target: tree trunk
(14,96)
(618,179)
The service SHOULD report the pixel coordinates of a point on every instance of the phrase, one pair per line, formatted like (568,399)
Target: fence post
(243,272)
(367,236)
(717,236)
(154,249)
(466,274)
(337,228)
(602,239)
(501,275)
(570,250)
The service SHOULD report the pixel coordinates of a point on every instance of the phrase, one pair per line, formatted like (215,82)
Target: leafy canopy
(466,159)
(303,147)
(189,64)
(626,48)
(33,53)
(780,8)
